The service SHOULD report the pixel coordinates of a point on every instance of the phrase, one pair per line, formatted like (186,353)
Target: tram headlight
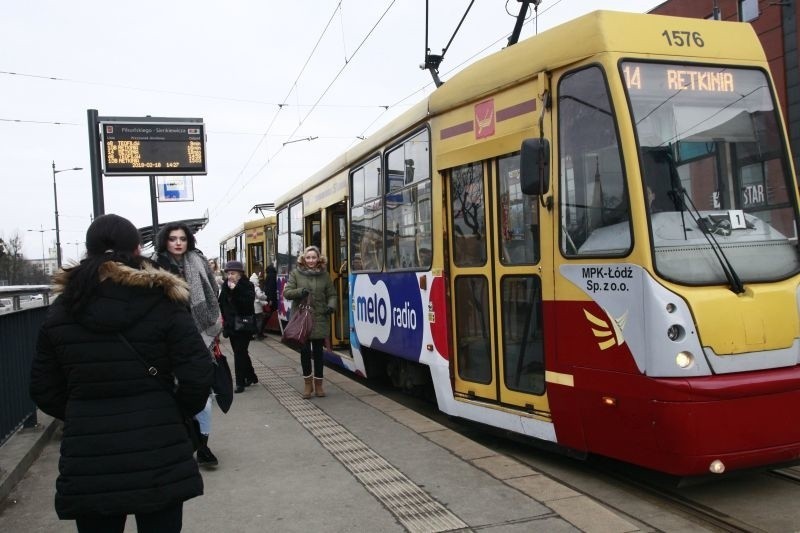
(675,332)
(684,359)
(716,467)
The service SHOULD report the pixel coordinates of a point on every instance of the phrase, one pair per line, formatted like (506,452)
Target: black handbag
(244,323)
(192,426)
(223,379)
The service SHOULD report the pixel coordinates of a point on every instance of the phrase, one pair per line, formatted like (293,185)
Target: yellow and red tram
(590,238)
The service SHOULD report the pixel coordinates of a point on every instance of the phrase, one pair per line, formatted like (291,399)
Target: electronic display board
(152,149)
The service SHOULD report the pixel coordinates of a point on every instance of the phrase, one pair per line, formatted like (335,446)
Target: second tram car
(254,244)
(590,238)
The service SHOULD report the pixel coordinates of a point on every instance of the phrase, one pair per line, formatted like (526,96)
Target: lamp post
(55,201)
(77,248)
(44,251)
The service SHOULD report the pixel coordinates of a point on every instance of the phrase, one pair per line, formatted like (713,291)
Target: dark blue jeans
(169,520)
(312,348)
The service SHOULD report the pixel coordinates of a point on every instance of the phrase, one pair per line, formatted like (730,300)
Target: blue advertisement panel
(388,314)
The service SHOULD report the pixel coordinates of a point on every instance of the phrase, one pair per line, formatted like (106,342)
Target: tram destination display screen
(153,149)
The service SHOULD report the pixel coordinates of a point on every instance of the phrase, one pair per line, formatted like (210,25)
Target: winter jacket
(319,284)
(237,301)
(124,448)
(261,298)
(271,285)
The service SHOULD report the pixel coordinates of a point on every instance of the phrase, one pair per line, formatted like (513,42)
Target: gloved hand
(304,292)
(330,310)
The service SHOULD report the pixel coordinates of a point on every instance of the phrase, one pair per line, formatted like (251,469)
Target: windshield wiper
(736,284)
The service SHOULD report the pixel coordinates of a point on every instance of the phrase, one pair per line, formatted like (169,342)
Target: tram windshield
(714,171)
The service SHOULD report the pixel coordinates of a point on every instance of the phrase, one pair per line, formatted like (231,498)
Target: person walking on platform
(271,294)
(212,264)
(125,449)
(258,306)
(176,252)
(237,300)
(311,277)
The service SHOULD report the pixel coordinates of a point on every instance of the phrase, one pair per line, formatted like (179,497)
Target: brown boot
(318,390)
(309,387)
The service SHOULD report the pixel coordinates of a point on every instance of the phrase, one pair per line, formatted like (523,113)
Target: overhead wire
(180,93)
(277,112)
(470,59)
(49,122)
(317,103)
(321,96)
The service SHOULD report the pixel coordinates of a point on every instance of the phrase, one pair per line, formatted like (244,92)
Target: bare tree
(468,193)
(15,269)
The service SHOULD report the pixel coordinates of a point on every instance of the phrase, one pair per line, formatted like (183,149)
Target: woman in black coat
(125,449)
(237,298)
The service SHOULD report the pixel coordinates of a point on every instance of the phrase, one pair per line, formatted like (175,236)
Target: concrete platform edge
(21,450)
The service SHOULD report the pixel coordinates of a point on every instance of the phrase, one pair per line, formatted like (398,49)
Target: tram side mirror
(534,166)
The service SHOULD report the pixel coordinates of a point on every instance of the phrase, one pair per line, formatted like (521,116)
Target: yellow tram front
(675,308)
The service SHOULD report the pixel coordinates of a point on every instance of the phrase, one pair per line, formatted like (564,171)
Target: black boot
(238,389)
(204,455)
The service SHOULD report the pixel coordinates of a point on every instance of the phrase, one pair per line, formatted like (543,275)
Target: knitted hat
(234,265)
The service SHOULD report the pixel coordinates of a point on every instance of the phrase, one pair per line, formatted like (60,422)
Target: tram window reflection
(469,220)
(473,353)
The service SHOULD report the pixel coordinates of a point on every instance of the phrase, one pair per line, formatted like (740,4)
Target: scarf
(202,289)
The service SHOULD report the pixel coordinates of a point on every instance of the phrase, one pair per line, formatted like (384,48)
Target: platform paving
(352,461)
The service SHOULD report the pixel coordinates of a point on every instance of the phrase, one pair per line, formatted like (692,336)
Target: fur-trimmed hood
(148,276)
(126,295)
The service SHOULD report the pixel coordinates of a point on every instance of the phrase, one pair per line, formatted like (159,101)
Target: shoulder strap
(151,370)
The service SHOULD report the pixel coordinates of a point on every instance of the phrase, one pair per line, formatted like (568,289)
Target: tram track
(734,504)
(790,475)
(698,512)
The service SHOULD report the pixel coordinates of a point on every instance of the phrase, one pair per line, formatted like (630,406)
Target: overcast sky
(334,65)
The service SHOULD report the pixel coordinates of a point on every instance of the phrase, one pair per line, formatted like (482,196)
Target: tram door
(338,258)
(496,287)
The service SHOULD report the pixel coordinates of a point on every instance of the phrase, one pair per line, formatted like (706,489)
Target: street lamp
(55,201)
(44,251)
(77,248)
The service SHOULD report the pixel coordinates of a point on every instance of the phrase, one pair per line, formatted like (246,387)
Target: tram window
(296,241)
(469,215)
(284,257)
(270,240)
(408,204)
(366,217)
(523,336)
(519,216)
(473,352)
(595,210)
(357,179)
(408,228)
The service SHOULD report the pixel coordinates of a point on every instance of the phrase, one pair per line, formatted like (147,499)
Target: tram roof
(600,31)
(259,222)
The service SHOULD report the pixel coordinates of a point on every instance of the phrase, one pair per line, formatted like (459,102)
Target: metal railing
(22,313)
